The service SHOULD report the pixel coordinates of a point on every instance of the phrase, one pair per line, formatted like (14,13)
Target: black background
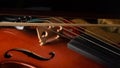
(72,5)
(108,7)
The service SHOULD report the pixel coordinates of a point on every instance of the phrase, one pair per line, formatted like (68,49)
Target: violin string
(88,40)
(92,42)
(82,32)
(69,38)
(94,35)
(59,21)
(102,38)
(56,32)
(60,34)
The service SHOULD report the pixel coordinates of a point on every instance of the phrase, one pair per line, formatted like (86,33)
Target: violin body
(22,47)
(64,57)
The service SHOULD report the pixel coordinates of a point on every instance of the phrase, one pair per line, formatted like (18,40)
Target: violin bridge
(48,34)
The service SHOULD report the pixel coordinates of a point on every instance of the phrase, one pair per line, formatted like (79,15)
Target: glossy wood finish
(64,58)
(16,64)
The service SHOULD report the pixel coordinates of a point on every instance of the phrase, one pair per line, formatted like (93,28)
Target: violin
(26,42)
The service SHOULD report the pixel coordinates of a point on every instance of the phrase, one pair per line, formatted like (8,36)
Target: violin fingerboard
(94,52)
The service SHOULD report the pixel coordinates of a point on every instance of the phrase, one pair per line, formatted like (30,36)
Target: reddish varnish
(64,58)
